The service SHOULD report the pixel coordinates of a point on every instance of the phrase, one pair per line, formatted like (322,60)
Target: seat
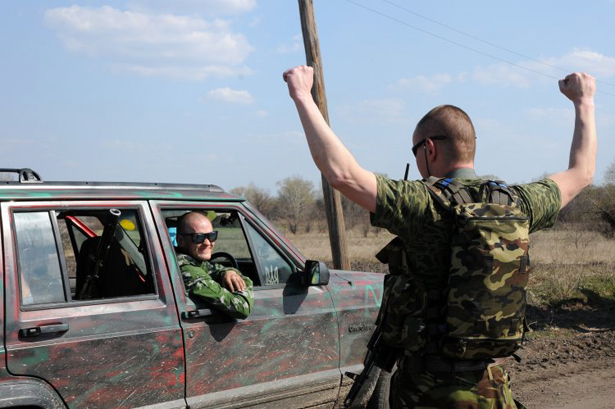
(118,276)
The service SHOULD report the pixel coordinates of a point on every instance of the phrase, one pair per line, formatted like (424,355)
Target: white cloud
(231,96)
(262,113)
(555,116)
(209,7)
(153,44)
(431,85)
(184,73)
(375,110)
(594,63)
(585,60)
(502,74)
(294,45)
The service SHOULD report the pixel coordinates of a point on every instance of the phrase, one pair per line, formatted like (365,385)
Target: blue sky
(191,91)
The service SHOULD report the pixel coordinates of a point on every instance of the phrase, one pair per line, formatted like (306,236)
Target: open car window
(256,257)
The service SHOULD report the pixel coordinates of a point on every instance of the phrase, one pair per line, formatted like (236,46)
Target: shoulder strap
(499,192)
(446,190)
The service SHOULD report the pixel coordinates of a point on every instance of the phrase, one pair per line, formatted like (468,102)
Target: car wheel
(380,397)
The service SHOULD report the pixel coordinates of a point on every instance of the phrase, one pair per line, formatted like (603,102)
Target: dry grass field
(567,264)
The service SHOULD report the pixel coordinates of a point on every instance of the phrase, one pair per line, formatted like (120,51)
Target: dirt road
(573,372)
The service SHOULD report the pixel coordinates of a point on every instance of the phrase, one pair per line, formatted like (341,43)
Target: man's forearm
(584,145)
(580,89)
(334,161)
(330,155)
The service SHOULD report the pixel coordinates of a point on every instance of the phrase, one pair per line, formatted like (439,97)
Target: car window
(257,258)
(231,239)
(81,255)
(39,263)
(274,268)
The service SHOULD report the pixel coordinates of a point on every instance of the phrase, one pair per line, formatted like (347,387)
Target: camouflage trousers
(488,389)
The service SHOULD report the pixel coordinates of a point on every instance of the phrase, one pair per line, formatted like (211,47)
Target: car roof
(37,190)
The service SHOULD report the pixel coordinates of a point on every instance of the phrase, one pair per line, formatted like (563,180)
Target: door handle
(197,313)
(43,330)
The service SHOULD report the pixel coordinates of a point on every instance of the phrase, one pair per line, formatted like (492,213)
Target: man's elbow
(339,180)
(587,177)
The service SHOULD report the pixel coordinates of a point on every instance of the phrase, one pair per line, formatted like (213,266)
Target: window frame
(265,237)
(52,209)
(164,206)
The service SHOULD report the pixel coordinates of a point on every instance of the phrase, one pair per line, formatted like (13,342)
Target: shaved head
(455,124)
(187,225)
(189,220)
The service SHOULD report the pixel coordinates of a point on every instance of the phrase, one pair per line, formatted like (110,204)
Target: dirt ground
(568,361)
(573,371)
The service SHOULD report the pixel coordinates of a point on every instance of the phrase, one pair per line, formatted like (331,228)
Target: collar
(462,173)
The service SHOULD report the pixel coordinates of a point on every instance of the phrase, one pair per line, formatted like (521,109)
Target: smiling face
(190,224)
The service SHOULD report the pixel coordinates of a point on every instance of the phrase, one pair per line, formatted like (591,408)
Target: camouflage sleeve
(401,206)
(541,202)
(201,284)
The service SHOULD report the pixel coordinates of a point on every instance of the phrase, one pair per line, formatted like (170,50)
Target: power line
(485,41)
(460,44)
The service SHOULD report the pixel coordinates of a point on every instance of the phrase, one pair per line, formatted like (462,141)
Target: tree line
(299,207)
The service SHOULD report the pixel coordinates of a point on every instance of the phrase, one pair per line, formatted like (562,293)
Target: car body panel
(116,353)
(357,297)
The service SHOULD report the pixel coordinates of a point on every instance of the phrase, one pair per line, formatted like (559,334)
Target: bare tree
(260,198)
(609,175)
(295,201)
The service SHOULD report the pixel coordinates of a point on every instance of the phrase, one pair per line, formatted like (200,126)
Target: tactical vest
(481,312)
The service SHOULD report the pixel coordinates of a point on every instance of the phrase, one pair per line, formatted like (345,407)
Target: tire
(380,397)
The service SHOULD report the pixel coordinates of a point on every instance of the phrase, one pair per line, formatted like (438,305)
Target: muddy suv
(95,313)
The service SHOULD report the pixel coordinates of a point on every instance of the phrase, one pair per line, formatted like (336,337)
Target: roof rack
(26,175)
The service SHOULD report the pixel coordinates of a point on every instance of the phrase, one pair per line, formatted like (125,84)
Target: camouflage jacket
(406,209)
(202,281)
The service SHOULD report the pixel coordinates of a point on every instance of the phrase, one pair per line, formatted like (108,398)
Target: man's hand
(300,80)
(578,87)
(233,281)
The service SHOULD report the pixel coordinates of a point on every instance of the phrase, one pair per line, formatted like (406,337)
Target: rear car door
(89,306)
(288,346)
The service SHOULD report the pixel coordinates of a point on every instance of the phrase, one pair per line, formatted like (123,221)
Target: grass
(568,265)
(315,245)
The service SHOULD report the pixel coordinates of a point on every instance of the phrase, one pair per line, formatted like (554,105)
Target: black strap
(438,364)
(448,192)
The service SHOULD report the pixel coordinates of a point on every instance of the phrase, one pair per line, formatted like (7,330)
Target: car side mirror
(315,273)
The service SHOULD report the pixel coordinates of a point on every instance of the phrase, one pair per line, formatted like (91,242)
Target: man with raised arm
(432,372)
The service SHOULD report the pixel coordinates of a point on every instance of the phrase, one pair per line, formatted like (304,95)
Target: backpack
(485,300)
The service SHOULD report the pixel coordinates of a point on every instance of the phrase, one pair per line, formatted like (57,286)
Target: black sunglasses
(420,143)
(198,238)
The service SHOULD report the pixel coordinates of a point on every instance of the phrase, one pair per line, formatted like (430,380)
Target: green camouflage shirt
(406,209)
(202,280)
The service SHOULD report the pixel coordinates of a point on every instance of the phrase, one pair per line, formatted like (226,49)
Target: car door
(287,347)
(110,341)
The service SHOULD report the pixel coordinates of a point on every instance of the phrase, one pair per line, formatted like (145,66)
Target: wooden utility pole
(333,201)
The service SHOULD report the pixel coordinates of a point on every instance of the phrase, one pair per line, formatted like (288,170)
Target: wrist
(584,102)
(302,98)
